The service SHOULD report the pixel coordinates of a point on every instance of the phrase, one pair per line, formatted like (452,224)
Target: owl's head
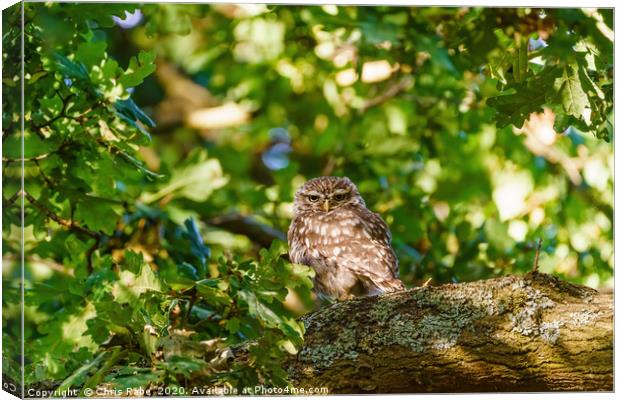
(327,193)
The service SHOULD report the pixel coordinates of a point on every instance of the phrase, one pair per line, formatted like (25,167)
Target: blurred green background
(274,96)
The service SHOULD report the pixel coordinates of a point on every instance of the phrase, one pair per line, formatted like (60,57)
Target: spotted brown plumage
(347,245)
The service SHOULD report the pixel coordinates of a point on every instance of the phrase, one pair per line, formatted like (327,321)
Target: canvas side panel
(12,328)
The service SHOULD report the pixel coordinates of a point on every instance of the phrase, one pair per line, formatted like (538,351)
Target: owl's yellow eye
(313,198)
(339,196)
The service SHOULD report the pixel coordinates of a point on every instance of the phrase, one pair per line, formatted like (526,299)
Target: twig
(61,114)
(45,178)
(26,159)
(402,85)
(535,267)
(70,225)
(13,198)
(61,221)
(428,281)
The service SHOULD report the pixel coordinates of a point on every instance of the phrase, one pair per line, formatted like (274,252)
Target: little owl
(346,244)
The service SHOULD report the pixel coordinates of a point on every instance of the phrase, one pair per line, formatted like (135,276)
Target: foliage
(571,75)
(177,312)
(161,156)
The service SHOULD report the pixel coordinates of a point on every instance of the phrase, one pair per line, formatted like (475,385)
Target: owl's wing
(377,267)
(380,234)
(298,251)
(377,227)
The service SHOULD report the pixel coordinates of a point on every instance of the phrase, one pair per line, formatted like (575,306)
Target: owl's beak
(326,205)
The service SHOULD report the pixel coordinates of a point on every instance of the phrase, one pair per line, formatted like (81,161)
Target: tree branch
(514,333)
(258,233)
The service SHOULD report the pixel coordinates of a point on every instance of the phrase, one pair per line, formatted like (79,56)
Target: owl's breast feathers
(353,241)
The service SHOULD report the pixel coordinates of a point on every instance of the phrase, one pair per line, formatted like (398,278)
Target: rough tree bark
(515,333)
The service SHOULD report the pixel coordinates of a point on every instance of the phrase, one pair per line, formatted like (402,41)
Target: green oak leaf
(97,215)
(130,286)
(139,68)
(195,181)
(571,95)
